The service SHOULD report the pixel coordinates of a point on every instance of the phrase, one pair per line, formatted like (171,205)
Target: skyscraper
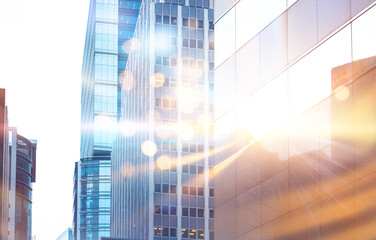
(294,107)
(17,173)
(110,25)
(161,186)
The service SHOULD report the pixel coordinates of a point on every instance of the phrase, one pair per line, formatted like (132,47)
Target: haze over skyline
(41,49)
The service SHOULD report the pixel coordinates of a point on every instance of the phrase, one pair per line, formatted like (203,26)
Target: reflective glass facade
(161,183)
(111,24)
(294,117)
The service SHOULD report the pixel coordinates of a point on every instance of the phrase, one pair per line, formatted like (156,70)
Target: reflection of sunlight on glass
(149,148)
(127,80)
(163,130)
(130,45)
(186,131)
(157,80)
(264,111)
(188,99)
(205,121)
(342,93)
(164,162)
(102,122)
(155,114)
(127,170)
(127,128)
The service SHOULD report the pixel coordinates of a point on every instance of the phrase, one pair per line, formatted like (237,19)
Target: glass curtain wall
(297,145)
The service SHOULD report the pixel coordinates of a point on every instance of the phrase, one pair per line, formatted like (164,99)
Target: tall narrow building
(17,174)
(110,25)
(161,183)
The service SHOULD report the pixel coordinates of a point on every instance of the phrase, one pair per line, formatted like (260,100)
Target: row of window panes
(192,169)
(193,23)
(193,212)
(165,103)
(164,231)
(168,146)
(200,191)
(193,233)
(165,61)
(166,19)
(165,188)
(191,63)
(193,148)
(170,82)
(165,210)
(192,43)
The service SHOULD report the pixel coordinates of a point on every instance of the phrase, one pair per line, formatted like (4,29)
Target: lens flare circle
(149,148)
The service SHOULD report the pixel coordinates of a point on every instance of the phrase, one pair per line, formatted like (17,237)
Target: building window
(165,210)
(211,235)
(185,22)
(166,61)
(185,212)
(192,43)
(165,188)
(174,21)
(174,42)
(185,168)
(184,233)
(200,212)
(172,232)
(157,231)
(173,189)
(173,211)
(192,212)
(192,233)
(193,169)
(193,191)
(211,45)
(158,102)
(173,61)
(157,209)
(211,192)
(200,169)
(200,44)
(192,23)
(157,187)
(158,60)
(200,24)
(211,66)
(200,191)
(158,19)
(211,25)
(200,234)
(166,20)
(211,213)
(184,190)
(185,42)
(173,82)
(165,232)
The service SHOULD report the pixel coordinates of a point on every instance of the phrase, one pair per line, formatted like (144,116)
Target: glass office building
(110,25)
(294,119)
(161,183)
(17,174)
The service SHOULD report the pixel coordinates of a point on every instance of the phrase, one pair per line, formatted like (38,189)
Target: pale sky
(41,48)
